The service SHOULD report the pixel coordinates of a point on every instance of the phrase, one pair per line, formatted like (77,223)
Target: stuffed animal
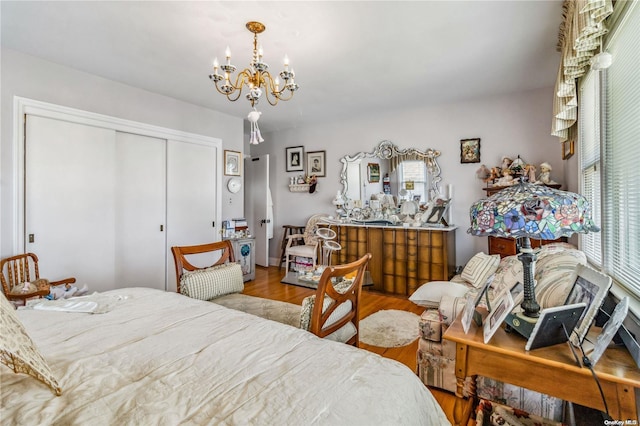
(255,137)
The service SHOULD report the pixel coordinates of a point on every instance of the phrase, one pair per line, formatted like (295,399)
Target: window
(614,188)
(413,178)
(590,164)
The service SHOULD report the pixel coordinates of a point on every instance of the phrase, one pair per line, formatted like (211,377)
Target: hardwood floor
(267,285)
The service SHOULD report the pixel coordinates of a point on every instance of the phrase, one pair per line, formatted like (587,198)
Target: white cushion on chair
(343,334)
(209,283)
(303,251)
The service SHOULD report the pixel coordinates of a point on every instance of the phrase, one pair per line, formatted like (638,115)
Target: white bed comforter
(160,358)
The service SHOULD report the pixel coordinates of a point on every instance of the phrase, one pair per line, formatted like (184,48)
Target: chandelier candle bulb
(227,53)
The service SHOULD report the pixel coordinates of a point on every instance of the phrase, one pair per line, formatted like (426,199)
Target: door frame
(23,106)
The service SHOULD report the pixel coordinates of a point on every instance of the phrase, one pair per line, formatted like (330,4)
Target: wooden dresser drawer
(509,246)
(502,246)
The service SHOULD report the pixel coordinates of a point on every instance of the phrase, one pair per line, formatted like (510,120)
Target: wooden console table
(403,258)
(551,370)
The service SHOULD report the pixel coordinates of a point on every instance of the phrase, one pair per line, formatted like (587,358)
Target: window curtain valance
(579,39)
(432,166)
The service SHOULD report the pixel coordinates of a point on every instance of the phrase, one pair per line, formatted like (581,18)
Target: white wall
(33,78)
(515,124)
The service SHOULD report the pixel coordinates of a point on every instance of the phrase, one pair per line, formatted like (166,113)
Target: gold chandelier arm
(272,95)
(243,77)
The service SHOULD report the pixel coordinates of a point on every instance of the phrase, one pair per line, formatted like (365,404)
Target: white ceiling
(350,57)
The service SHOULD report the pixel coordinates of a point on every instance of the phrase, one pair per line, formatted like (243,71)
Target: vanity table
(403,258)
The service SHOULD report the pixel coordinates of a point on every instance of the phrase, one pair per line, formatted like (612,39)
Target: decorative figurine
(545,174)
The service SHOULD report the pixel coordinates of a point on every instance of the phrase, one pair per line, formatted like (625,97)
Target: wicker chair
(310,247)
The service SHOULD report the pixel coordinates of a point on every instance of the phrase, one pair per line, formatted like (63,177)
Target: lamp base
(521,323)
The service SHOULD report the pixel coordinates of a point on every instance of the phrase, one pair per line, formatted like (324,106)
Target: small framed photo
(373,172)
(232,163)
(294,158)
(503,305)
(590,287)
(470,150)
(437,211)
(316,163)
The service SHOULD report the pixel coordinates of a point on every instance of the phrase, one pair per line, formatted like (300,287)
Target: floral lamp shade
(530,210)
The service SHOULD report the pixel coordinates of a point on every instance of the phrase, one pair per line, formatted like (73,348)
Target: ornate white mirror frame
(386,150)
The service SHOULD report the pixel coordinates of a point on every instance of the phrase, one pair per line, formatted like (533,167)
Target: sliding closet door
(191,197)
(69,200)
(140,246)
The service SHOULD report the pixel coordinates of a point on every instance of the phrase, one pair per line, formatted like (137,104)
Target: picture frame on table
(294,158)
(316,163)
(232,163)
(437,211)
(470,312)
(470,150)
(503,304)
(590,287)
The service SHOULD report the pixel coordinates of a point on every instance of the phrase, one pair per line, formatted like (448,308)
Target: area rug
(275,310)
(389,328)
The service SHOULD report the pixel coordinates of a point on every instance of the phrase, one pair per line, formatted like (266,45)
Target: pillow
(209,283)
(509,273)
(429,294)
(450,308)
(17,350)
(480,268)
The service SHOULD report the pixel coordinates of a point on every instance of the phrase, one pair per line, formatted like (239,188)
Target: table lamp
(526,211)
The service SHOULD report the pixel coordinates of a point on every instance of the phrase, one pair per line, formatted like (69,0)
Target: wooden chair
(344,305)
(17,270)
(310,247)
(179,253)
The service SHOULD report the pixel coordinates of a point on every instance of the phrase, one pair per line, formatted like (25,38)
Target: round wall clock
(234,185)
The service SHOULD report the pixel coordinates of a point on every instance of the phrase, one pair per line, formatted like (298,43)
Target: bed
(165,359)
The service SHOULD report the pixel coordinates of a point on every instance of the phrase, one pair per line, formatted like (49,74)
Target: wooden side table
(287,231)
(551,370)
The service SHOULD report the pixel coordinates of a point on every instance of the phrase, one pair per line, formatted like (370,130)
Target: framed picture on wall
(294,158)
(373,172)
(232,163)
(316,163)
(470,150)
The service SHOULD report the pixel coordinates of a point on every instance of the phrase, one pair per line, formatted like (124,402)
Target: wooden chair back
(21,268)
(179,256)
(319,318)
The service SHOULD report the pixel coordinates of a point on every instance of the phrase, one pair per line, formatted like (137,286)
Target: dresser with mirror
(388,208)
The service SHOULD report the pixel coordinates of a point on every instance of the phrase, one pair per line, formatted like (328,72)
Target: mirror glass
(406,174)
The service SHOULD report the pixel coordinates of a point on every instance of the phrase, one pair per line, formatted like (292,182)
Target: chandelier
(255,77)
